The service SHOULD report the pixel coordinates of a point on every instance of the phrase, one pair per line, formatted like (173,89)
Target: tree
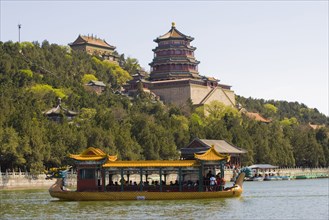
(131,65)
(88,77)
(322,138)
(9,149)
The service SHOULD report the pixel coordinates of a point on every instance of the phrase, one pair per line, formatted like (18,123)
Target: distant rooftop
(93,40)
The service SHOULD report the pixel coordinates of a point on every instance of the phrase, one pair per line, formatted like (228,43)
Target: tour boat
(263,172)
(103,177)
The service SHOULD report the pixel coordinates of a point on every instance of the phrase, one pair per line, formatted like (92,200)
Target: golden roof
(174,33)
(212,154)
(112,158)
(152,163)
(92,40)
(92,153)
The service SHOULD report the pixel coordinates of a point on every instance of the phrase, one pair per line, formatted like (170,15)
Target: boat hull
(57,191)
(116,196)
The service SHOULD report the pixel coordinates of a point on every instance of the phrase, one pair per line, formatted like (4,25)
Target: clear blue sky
(264,49)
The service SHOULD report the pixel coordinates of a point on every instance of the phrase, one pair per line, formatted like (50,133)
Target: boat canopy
(96,154)
(152,163)
(92,154)
(262,166)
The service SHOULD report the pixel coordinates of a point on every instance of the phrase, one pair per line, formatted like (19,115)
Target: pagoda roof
(202,145)
(92,41)
(173,47)
(92,153)
(172,60)
(212,155)
(173,33)
(58,110)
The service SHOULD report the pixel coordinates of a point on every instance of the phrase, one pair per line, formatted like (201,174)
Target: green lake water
(296,199)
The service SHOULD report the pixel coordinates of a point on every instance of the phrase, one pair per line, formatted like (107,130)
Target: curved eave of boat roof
(152,163)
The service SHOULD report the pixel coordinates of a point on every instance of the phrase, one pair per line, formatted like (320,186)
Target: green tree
(88,77)
(131,65)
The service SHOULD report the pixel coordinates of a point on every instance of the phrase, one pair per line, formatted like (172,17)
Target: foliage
(26,72)
(88,77)
(43,89)
(105,68)
(131,65)
(34,75)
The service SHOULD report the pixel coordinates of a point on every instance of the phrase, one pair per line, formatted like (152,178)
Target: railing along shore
(26,180)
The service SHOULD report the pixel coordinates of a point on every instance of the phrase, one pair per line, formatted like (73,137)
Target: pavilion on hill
(96,86)
(59,112)
(95,46)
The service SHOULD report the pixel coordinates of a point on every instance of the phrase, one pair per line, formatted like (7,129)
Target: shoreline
(12,181)
(71,187)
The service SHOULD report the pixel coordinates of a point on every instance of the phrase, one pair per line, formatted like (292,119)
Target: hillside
(279,110)
(34,76)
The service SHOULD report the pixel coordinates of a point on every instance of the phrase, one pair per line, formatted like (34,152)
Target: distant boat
(263,172)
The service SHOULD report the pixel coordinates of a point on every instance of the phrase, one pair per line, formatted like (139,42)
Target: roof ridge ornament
(173,24)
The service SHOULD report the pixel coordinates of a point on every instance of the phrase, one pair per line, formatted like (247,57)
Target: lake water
(296,199)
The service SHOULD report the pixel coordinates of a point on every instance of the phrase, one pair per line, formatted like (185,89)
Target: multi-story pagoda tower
(174,76)
(174,57)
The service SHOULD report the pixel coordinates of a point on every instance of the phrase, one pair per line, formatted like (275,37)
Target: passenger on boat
(123,181)
(207,178)
(209,174)
(235,174)
(220,181)
(212,183)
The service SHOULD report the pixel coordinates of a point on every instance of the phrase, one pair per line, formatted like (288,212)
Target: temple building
(96,86)
(95,46)
(174,75)
(221,146)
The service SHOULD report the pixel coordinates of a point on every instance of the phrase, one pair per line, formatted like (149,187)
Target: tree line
(34,75)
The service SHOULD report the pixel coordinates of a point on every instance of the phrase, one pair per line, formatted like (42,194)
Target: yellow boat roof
(92,153)
(152,163)
(95,154)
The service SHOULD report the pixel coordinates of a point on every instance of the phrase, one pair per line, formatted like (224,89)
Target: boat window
(87,174)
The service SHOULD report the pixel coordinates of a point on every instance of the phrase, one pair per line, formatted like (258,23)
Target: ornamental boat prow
(102,177)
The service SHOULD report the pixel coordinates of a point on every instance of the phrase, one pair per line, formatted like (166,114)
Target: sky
(273,50)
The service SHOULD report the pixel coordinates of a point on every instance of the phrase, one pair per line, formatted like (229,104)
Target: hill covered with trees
(34,76)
